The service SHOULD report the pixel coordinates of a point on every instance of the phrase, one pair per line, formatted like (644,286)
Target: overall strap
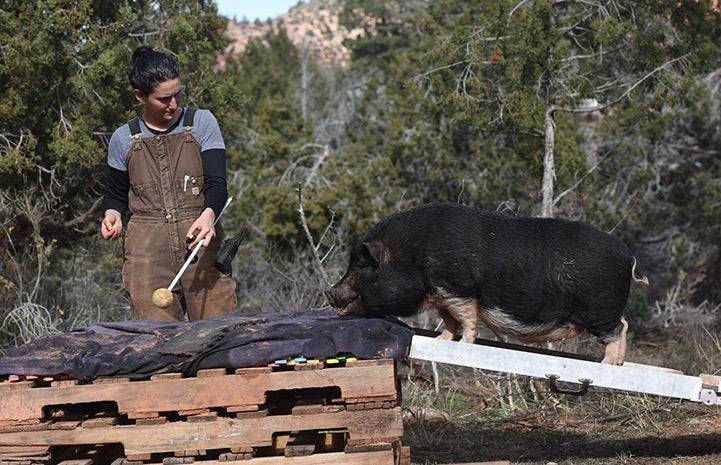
(134,125)
(188,118)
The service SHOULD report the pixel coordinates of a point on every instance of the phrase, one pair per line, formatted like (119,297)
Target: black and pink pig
(535,279)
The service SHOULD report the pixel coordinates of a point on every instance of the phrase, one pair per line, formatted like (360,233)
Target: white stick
(186,264)
(196,248)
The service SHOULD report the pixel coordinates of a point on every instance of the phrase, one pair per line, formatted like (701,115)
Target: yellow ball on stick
(162,298)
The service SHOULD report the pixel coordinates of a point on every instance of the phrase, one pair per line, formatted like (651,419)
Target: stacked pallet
(302,413)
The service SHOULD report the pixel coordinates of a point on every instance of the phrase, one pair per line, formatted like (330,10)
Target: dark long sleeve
(117,187)
(215,187)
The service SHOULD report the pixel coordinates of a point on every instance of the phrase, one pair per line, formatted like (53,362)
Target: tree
(518,64)
(270,137)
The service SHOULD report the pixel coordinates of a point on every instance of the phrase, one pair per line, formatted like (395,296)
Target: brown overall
(165,198)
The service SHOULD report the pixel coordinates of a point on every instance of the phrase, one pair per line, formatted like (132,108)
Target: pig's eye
(366,261)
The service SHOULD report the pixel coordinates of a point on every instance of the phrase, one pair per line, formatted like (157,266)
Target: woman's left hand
(202,228)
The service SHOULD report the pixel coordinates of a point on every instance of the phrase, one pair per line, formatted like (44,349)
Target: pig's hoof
(612,361)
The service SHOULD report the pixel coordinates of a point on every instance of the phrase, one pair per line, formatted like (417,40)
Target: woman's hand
(112,225)
(202,228)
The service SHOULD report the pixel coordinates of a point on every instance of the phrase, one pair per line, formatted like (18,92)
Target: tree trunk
(549,172)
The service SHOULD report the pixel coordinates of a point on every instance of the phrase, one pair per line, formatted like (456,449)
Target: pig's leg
(616,346)
(463,313)
(449,332)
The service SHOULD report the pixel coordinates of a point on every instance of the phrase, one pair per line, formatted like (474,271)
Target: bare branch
(630,88)
(309,236)
(84,216)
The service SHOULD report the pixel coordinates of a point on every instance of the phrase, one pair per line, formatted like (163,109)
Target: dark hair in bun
(149,68)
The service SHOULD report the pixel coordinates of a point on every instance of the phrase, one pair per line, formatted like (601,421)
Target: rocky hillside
(312,25)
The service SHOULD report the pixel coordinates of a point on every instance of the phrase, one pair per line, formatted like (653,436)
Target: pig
(534,279)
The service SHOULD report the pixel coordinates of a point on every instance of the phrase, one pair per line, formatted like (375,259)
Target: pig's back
(533,267)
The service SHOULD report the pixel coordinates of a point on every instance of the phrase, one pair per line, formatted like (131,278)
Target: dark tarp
(138,349)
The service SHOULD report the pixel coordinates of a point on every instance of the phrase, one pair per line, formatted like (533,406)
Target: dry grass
(486,416)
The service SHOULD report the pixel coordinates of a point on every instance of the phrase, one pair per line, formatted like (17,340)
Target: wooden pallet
(265,415)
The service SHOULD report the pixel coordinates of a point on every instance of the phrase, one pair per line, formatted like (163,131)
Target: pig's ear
(376,252)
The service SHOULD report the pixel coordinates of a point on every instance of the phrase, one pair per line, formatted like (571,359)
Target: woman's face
(162,103)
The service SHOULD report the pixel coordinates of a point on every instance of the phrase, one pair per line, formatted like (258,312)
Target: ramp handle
(553,385)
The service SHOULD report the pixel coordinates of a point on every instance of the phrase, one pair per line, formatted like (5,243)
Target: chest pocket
(190,185)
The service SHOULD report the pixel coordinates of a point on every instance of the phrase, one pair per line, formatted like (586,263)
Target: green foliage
(271,132)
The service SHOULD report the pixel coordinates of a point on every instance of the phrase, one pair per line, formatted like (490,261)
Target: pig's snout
(339,298)
(330,298)
(342,299)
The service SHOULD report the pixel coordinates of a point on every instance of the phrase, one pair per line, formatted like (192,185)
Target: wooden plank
(211,373)
(64,383)
(65,425)
(364,426)
(501,462)
(370,362)
(210,416)
(405,456)
(195,411)
(16,385)
(151,421)
(242,408)
(352,442)
(307,405)
(384,457)
(177,460)
(24,452)
(97,454)
(34,426)
(99,422)
(368,447)
(301,443)
(161,376)
(332,441)
(142,399)
(111,380)
(142,415)
(253,371)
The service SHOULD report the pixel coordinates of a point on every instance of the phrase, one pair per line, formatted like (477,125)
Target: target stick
(163,297)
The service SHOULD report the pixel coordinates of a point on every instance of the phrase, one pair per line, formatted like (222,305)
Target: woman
(167,167)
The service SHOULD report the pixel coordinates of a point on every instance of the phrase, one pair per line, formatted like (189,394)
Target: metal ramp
(561,367)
